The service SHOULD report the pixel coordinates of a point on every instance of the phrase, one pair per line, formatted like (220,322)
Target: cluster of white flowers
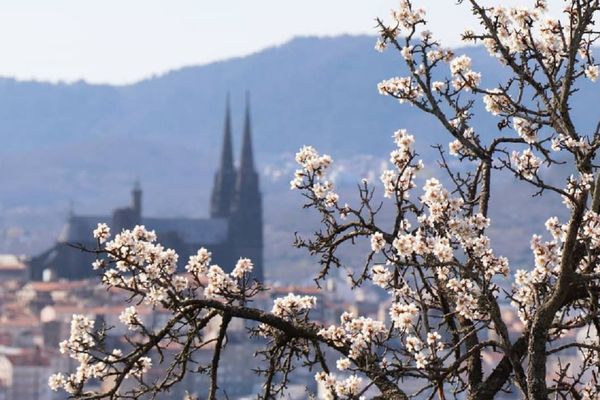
(520,29)
(421,353)
(148,267)
(140,367)
(321,189)
(526,130)
(556,229)
(513,28)
(403,315)
(343,364)
(526,163)
(466,294)
(589,392)
(567,142)
(460,64)
(180,283)
(77,346)
(575,187)
(381,276)
(403,88)
(243,267)
(138,265)
(406,16)
(442,232)
(380,45)
(359,333)
(468,232)
(347,388)
(219,282)
(312,161)
(292,305)
(400,180)
(102,232)
(199,263)
(130,318)
(404,245)
(331,199)
(395,184)
(464,231)
(401,156)
(81,337)
(377,242)
(592,72)
(464,76)
(546,257)
(591,229)
(436,54)
(456,147)
(312,174)
(496,102)
(438,201)
(406,53)
(156,295)
(547,262)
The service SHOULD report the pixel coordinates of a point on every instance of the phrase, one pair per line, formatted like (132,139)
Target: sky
(123,41)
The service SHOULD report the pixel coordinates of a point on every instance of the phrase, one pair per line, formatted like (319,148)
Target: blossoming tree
(446,284)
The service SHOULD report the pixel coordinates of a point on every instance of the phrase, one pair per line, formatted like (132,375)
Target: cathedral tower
(246,225)
(224,184)
(136,195)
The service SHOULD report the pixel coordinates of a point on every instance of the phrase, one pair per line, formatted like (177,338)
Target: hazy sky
(121,41)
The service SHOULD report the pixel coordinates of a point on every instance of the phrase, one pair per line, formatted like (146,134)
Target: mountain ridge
(88,143)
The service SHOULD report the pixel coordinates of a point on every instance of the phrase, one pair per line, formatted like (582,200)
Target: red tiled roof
(9,262)
(40,286)
(29,358)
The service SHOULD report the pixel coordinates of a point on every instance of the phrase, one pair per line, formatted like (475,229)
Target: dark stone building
(233,230)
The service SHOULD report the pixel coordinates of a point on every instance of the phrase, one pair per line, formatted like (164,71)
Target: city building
(25,374)
(13,267)
(233,229)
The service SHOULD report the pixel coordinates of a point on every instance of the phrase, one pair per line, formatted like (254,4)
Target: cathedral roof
(79,228)
(204,231)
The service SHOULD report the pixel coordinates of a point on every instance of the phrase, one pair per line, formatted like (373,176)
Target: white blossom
(592,72)
(526,163)
(292,305)
(377,242)
(343,364)
(403,315)
(242,267)
(130,318)
(102,232)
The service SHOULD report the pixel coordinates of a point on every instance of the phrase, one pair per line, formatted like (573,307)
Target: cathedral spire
(247,160)
(224,183)
(245,225)
(227,149)
(136,196)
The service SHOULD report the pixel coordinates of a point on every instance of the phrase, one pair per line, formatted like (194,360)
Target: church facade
(234,228)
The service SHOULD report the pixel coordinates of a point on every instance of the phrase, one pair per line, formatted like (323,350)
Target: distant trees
(443,278)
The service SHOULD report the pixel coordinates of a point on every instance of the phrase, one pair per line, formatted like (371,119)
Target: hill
(86,144)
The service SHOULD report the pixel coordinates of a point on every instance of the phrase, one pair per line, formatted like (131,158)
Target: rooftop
(11,262)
